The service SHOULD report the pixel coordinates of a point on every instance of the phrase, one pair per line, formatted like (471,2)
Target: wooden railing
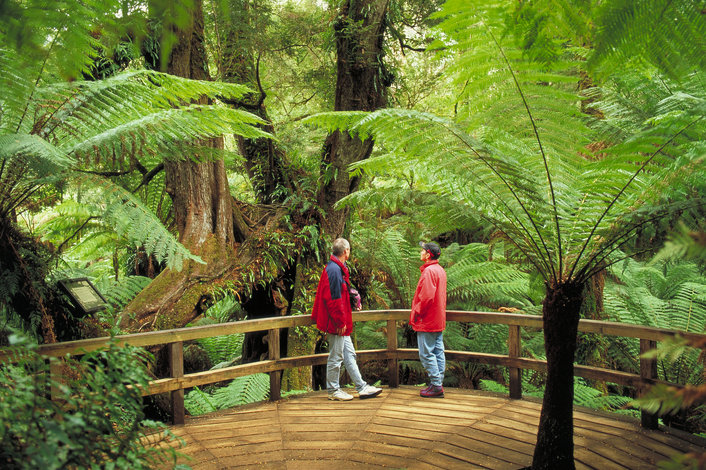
(178,381)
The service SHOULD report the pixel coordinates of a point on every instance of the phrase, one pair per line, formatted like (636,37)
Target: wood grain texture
(465,430)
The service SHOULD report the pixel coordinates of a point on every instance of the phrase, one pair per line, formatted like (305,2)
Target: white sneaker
(340,395)
(369,392)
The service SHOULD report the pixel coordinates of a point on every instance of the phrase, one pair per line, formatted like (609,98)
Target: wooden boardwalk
(466,430)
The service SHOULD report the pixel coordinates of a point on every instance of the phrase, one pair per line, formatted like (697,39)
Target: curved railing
(178,381)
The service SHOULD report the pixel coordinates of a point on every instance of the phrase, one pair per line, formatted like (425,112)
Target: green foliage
(371,335)
(686,244)
(225,349)
(96,423)
(662,294)
(24,296)
(222,350)
(477,273)
(660,33)
(476,276)
(241,391)
(121,292)
(491,339)
(386,250)
(516,155)
(49,128)
(584,395)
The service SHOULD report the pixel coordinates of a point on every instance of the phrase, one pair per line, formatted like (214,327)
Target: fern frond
(222,350)
(386,250)
(473,277)
(665,295)
(120,293)
(243,390)
(139,226)
(664,34)
(197,402)
(370,335)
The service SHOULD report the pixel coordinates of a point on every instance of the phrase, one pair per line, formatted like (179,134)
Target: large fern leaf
(241,391)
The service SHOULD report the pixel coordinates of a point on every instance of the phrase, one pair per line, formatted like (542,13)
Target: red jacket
(429,303)
(332,306)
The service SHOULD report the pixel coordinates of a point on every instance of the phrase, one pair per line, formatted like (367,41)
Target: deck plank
(465,430)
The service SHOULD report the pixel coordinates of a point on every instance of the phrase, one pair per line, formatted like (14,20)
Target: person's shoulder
(333,267)
(438,269)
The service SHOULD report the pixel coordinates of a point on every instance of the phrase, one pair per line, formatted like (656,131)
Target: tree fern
(225,349)
(516,156)
(50,127)
(198,402)
(222,350)
(385,249)
(472,276)
(564,228)
(371,335)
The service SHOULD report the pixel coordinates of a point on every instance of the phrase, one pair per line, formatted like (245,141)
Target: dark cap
(432,248)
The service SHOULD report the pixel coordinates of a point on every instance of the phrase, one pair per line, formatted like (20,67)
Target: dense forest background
(195,159)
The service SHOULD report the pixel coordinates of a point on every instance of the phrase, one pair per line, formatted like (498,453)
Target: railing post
(176,369)
(274,354)
(56,376)
(392,366)
(514,347)
(648,370)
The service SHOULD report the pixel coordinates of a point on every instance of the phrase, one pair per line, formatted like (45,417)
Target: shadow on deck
(398,429)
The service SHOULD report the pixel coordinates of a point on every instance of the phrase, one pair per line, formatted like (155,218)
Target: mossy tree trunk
(361,85)
(203,212)
(555,436)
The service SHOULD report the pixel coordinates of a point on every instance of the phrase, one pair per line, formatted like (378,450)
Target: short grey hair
(339,246)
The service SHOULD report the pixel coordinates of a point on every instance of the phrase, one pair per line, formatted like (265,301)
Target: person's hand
(341,331)
(358,307)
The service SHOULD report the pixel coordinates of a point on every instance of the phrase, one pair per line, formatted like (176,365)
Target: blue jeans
(431,354)
(341,350)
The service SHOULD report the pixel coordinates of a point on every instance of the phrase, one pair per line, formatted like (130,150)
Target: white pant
(341,350)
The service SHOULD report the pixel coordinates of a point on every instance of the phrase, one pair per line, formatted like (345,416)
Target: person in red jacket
(333,314)
(428,318)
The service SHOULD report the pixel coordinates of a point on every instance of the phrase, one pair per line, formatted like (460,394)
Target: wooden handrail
(178,382)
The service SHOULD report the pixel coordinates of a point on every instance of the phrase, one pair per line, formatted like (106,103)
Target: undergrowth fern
(241,391)
(663,294)
(584,395)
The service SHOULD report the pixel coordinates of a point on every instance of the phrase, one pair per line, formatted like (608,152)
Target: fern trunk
(361,85)
(555,436)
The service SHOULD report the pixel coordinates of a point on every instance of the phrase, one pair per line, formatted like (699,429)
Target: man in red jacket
(333,314)
(428,318)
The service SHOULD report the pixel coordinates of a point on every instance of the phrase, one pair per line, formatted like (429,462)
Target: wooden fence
(274,365)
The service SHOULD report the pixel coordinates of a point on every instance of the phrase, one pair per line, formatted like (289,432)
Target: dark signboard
(84,294)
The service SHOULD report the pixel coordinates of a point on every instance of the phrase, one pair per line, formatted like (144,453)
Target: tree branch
(147,177)
(58,249)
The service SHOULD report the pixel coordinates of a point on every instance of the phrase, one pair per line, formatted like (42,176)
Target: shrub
(94,421)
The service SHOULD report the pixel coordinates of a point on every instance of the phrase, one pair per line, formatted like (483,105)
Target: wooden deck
(398,429)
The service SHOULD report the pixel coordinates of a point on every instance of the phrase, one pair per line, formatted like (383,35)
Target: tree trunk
(555,436)
(361,85)
(265,161)
(203,212)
